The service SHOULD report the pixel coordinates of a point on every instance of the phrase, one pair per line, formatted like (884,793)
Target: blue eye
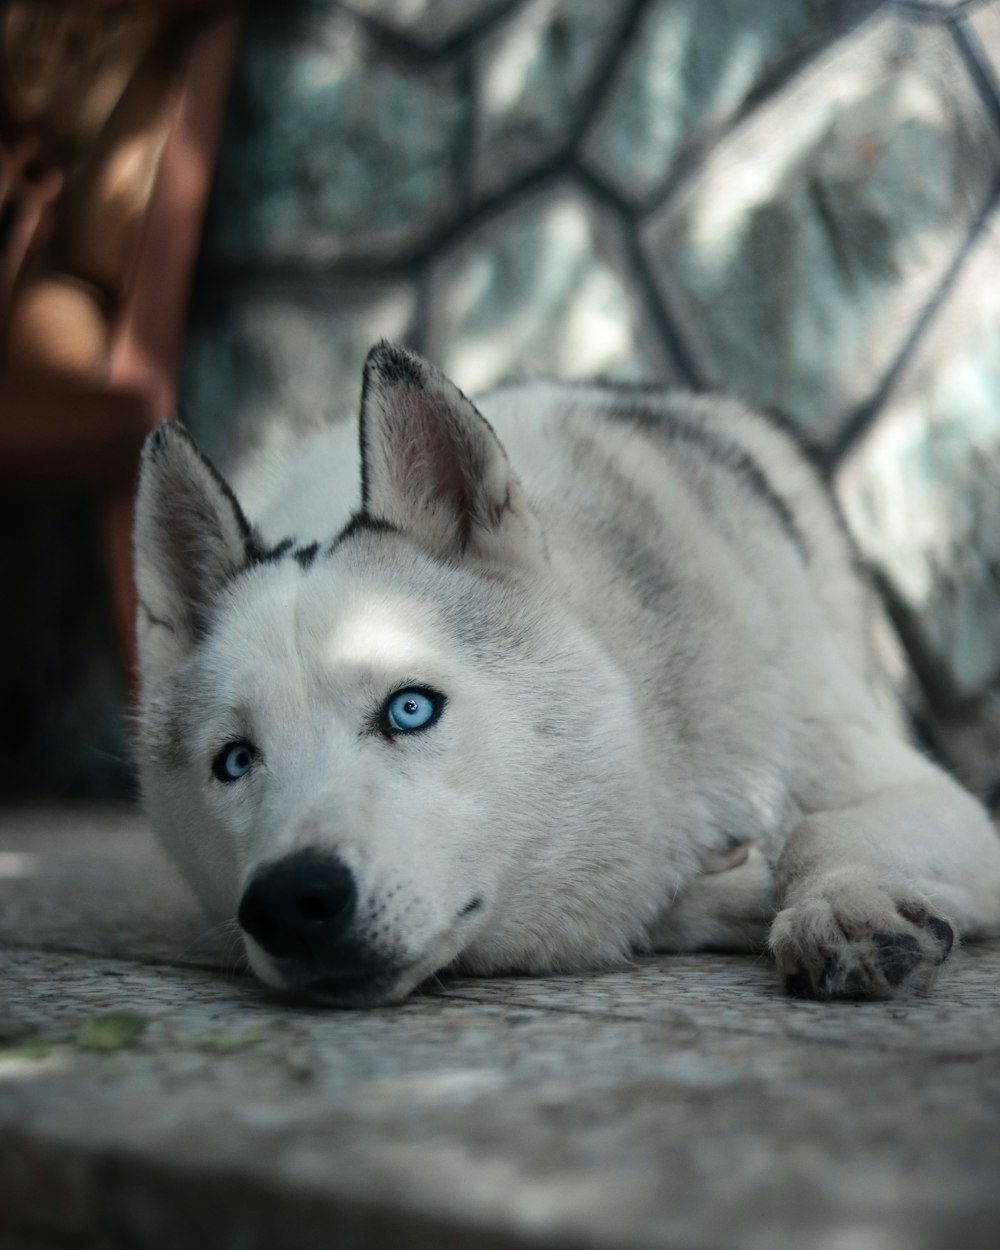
(234,761)
(411,709)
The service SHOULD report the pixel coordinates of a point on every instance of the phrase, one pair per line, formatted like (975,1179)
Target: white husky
(593,677)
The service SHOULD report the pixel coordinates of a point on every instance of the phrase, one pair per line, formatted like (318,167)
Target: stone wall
(796,201)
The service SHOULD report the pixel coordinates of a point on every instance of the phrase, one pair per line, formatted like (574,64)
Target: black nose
(300,906)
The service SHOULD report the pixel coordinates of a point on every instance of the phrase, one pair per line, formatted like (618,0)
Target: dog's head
(392,749)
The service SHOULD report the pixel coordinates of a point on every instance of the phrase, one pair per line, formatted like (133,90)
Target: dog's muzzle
(300,911)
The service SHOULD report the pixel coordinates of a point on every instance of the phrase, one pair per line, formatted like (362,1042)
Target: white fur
(642,666)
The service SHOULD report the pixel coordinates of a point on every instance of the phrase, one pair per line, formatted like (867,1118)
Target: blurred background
(219,207)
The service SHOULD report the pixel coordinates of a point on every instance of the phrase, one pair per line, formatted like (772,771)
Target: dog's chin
(375,985)
(351,992)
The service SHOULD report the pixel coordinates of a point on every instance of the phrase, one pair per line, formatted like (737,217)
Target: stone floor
(151,1096)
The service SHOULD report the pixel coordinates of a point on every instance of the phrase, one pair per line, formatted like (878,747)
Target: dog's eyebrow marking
(359,522)
(306,555)
(258,553)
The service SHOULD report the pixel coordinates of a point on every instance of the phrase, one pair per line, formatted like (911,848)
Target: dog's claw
(944,934)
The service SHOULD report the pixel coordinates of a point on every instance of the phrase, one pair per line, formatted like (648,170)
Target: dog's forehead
(353,610)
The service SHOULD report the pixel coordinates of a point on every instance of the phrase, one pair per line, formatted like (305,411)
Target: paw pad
(897,954)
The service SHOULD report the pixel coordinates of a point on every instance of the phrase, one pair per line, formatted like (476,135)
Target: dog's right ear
(189,536)
(433,467)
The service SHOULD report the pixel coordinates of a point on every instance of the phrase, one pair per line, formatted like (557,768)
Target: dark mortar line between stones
(220,281)
(240,273)
(604,76)
(825,33)
(417,53)
(628,219)
(926,14)
(464,216)
(413,267)
(863,416)
(466,219)
(980,70)
(936,12)
(690,159)
(301,21)
(303,15)
(931,673)
(390,44)
(463,153)
(684,168)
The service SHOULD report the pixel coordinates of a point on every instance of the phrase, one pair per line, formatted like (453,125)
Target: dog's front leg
(874,890)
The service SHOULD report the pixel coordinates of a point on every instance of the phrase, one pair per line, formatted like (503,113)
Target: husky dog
(532,686)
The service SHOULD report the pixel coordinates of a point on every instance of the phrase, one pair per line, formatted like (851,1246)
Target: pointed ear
(189,537)
(433,467)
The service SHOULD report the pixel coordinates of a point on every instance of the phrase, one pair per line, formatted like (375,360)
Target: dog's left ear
(433,467)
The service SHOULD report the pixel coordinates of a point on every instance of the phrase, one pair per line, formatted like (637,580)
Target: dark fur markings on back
(723,453)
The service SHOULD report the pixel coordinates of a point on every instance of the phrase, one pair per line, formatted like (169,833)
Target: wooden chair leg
(116,537)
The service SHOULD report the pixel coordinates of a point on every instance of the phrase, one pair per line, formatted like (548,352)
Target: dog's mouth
(351,989)
(367,983)
(364,981)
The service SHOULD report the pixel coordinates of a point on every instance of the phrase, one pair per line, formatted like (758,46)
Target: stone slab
(331,149)
(535,77)
(263,365)
(985,23)
(920,488)
(801,252)
(687,70)
(543,289)
(680,1103)
(428,23)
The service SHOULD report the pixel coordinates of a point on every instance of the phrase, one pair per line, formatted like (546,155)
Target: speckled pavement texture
(681,1103)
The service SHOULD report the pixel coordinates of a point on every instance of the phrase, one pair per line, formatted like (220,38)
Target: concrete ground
(152,1096)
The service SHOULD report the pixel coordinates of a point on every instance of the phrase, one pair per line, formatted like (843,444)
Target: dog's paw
(847,937)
